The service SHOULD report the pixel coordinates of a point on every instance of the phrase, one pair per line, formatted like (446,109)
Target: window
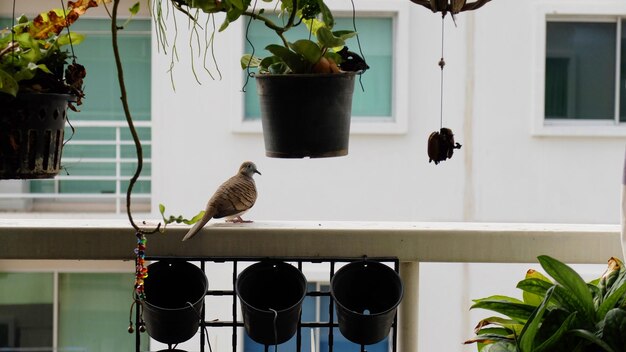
(580,87)
(383,31)
(90,310)
(314,308)
(581,71)
(376,36)
(99,159)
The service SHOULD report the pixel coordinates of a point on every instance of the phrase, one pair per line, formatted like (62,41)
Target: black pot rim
(269,311)
(205,283)
(395,306)
(302,75)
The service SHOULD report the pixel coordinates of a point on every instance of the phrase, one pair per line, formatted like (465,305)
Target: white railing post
(408,317)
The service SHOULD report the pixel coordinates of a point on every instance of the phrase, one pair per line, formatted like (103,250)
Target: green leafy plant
(178,219)
(322,51)
(34,55)
(564,314)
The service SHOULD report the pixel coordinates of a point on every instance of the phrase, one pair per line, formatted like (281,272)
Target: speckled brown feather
(231,200)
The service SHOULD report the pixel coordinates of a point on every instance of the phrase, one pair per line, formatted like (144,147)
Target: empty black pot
(170,288)
(366,296)
(271,294)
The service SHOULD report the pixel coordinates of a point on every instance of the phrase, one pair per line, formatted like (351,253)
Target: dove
(231,200)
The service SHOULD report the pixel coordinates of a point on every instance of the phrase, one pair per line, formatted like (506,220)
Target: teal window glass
(93,308)
(376,37)
(26,311)
(580,70)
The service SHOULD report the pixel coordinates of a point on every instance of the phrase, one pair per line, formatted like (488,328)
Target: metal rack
(235,323)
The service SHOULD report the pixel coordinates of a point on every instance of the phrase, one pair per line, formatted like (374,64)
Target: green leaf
(614,328)
(508,324)
(500,346)
(488,338)
(327,39)
(239,4)
(278,68)
(135,8)
(327,15)
(573,283)
(547,344)
(611,301)
(498,298)
(307,49)
(8,84)
(591,337)
(295,62)
(345,35)
(195,219)
(518,311)
(527,337)
(248,60)
(65,39)
(534,290)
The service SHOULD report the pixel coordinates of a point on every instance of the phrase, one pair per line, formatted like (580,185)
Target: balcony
(411,243)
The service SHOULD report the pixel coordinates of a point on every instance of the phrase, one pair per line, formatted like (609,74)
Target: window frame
(608,12)
(397,122)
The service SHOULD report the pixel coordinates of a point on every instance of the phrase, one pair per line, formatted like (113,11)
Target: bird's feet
(239,220)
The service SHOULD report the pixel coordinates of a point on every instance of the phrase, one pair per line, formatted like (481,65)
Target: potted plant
(566,314)
(304,86)
(35,90)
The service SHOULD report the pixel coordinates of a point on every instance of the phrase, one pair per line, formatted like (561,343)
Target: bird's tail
(208,214)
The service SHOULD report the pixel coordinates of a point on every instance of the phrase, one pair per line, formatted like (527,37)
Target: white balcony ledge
(410,242)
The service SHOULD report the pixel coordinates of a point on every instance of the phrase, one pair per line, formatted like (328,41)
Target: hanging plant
(37,85)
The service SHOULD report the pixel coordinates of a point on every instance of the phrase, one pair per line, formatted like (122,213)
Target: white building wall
(505,172)
(509,170)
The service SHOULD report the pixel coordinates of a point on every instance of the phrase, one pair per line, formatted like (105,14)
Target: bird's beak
(257,172)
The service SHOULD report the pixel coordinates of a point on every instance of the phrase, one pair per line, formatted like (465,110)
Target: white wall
(505,172)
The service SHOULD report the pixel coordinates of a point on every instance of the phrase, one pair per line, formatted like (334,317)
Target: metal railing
(118,193)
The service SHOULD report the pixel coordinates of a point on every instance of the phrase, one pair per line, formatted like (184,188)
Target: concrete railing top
(409,241)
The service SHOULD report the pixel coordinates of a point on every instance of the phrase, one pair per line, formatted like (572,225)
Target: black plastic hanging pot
(366,296)
(31,135)
(271,295)
(306,115)
(174,299)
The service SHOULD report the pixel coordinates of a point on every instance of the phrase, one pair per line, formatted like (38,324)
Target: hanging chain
(442,63)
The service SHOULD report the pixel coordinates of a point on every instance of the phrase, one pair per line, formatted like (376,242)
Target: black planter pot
(31,135)
(366,296)
(306,115)
(170,289)
(271,295)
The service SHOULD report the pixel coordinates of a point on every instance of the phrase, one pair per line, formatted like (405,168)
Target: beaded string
(141,271)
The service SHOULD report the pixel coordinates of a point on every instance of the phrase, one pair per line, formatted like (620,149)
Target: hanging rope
(442,63)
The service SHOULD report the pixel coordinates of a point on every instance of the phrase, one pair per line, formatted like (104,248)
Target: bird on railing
(231,200)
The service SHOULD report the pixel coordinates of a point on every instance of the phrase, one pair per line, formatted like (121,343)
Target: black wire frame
(235,323)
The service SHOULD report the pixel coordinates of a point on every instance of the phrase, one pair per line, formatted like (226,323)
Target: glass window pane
(94,312)
(580,70)
(26,310)
(376,36)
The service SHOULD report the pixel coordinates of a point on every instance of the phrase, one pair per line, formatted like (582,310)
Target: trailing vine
(129,120)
